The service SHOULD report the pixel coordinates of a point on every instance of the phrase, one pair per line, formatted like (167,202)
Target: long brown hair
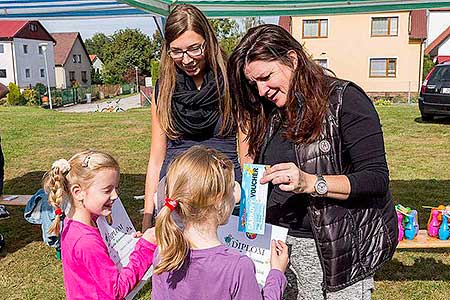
(202,182)
(182,18)
(308,87)
(80,169)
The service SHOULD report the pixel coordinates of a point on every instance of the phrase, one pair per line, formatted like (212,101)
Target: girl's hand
(290,178)
(279,256)
(149,235)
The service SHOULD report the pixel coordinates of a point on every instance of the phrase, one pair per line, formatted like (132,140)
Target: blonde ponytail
(55,184)
(173,246)
(204,197)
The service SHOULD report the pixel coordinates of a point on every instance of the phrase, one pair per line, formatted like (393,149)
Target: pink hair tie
(171,204)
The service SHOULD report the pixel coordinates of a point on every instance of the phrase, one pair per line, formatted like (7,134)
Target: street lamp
(137,79)
(44,49)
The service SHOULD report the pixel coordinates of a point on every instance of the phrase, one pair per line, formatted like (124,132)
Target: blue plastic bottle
(443,229)
(410,230)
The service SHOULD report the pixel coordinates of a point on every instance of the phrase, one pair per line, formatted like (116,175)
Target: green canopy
(244,8)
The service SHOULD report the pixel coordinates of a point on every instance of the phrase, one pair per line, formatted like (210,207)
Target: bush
(428,64)
(14,97)
(40,88)
(31,97)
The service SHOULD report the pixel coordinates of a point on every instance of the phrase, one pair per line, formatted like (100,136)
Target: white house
(438,41)
(97,64)
(23,46)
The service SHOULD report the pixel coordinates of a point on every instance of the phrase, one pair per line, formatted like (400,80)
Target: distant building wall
(29,65)
(350,46)
(73,64)
(7,63)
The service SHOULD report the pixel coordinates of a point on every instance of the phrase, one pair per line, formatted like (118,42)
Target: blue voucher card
(252,213)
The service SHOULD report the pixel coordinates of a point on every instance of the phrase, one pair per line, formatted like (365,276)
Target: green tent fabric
(244,8)
(47,9)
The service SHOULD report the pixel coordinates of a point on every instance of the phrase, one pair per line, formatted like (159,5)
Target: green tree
(227,31)
(128,48)
(96,77)
(250,22)
(156,45)
(428,64)
(97,44)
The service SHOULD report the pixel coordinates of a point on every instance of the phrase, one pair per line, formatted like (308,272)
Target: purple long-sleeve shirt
(216,273)
(89,272)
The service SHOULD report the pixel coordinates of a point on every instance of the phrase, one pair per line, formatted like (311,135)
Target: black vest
(354,237)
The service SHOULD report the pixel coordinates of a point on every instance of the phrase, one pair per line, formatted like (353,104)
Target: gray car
(434,99)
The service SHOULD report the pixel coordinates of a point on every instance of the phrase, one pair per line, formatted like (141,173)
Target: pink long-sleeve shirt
(89,272)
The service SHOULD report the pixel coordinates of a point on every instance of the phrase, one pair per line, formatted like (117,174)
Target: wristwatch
(320,187)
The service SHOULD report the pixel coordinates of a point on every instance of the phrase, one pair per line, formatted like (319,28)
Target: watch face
(321,187)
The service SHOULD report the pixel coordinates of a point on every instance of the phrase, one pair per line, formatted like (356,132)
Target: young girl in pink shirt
(89,181)
(192,263)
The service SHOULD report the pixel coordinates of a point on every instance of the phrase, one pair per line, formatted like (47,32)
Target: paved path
(125,103)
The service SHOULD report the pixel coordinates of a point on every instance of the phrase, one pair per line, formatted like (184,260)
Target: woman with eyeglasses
(191,103)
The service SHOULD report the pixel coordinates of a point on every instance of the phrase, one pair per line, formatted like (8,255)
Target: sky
(88,27)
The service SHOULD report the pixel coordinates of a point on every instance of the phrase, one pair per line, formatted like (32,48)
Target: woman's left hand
(290,178)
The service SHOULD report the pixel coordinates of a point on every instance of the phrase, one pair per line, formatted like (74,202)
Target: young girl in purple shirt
(89,181)
(191,263)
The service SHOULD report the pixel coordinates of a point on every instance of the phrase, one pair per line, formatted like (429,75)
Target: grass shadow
(436,120)
(18,232)
(422,267)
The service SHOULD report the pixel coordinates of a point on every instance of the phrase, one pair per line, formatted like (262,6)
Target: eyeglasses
(193,52)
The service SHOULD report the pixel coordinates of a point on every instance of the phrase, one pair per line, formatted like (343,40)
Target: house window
(27,73)
(72,75)
(323,62)
(315,28)
(79,58)
(383,67)
(74,58)
(25,49)
(2,73)
(40,51)
(42,73)
(33,27)
(385,26)
(84,76)
(2,48)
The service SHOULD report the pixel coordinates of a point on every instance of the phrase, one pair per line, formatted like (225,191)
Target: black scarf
(196,112)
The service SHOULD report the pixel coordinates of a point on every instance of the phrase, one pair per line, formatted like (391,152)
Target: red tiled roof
(437,41)
(64,44)
(92,57)
(285,22)
(443,58)
(418,28)
(9,29)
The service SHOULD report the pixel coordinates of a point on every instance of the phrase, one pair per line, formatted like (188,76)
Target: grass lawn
(418,155)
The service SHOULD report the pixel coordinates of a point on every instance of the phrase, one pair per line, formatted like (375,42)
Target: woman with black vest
(191,104)
(328,180)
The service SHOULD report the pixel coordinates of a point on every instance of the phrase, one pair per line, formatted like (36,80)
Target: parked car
(434,99)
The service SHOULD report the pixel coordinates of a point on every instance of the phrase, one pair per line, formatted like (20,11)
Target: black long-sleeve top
(363,146)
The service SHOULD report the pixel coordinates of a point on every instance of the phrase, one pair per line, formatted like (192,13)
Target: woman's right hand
(279,258)
(149,235)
